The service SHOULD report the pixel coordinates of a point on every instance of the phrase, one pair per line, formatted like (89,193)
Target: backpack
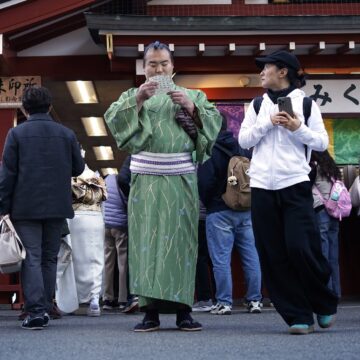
(237,195)
(339,203)
(307,104)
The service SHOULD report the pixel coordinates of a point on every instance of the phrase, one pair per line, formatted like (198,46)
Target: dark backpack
(307,104)
(237,195)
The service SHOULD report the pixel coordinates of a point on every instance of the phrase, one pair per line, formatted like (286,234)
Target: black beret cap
(281,56)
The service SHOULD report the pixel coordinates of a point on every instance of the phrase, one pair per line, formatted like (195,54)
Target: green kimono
(163,211)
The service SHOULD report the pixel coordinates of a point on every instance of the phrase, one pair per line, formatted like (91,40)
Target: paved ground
(239,336)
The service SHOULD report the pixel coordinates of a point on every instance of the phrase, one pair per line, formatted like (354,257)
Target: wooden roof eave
(255,24)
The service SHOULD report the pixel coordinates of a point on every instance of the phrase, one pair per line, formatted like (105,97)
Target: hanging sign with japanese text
(335,96)
(12,88)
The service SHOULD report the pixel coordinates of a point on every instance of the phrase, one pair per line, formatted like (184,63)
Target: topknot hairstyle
(157,45)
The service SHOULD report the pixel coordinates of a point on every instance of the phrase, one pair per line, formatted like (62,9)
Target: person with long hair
(287,237)
(326,172)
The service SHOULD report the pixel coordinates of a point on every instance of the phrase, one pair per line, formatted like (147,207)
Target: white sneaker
(254,307)
(202,306)
(94,308)
(220,309)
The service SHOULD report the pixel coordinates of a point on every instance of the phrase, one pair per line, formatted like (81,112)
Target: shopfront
(212,51)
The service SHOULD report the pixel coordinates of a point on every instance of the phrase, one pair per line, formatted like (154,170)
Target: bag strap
(8,223)
(333,181)
(307,105)
(319,193)
(224,150)
(257,104)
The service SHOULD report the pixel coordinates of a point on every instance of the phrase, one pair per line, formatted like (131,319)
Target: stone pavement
(237,336)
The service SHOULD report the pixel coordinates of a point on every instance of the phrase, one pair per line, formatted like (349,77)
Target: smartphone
(285,105)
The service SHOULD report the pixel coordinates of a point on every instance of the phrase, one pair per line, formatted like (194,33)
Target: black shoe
(147,326)
(150,322)
(35,323)
(185,322)
(132,305)
(46,320)
(189,325)
(110,304)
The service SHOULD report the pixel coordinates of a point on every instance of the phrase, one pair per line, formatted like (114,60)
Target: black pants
(288,242)
(41,239)
(204,280)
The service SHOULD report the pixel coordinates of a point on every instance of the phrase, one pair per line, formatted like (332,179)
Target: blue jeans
(224,229)
(329,231)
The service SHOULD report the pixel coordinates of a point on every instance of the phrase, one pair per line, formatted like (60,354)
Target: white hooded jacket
(279,155)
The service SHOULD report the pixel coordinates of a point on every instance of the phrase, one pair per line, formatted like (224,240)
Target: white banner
(335,96)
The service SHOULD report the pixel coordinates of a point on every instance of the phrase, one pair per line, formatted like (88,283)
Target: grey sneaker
(220,309)
(202,306)
(94,308)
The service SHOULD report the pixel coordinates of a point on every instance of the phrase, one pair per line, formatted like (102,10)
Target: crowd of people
(159,235)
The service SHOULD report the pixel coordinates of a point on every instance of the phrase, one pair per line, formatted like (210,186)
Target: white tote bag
(12,251)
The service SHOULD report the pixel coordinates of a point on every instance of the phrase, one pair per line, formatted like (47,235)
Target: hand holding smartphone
(285,105)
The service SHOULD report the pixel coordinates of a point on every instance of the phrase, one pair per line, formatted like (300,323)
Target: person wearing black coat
(226,228)
(40,156)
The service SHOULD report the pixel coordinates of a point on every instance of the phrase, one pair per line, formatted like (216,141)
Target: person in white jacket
(287,238)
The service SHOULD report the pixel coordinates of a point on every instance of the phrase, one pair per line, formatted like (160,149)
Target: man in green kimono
(166,132)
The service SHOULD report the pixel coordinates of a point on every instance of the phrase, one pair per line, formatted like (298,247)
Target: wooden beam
(54,29)
(201,49)
(317,48)
(85,67)
(109,46)
(346,48)
(241,64)
(31,13)
(291,46)
(243,40)
(227,94)
(98,67)
(6,56)
(141,48)
(231,49)
(260,49)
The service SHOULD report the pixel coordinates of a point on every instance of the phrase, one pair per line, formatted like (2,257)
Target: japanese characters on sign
(12,88)
(335,96)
